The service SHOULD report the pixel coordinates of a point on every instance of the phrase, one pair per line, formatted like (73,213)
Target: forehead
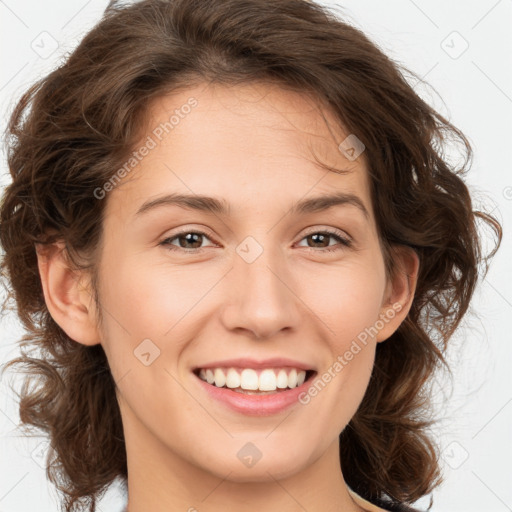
(243,143)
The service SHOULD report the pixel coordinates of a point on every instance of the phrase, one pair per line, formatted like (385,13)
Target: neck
(161,480)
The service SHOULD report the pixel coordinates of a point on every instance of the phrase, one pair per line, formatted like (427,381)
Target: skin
(254,146)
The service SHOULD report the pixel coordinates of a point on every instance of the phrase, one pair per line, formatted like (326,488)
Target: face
(261,280)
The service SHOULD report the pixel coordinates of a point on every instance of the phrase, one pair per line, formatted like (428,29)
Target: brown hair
(71,131)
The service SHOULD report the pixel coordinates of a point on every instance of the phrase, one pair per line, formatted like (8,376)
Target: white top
(370,507)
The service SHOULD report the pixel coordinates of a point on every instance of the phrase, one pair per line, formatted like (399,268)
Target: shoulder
(380,505)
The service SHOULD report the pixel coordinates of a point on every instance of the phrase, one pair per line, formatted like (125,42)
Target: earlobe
(400,291)
(67,299)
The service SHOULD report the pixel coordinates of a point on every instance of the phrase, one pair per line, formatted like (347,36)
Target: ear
(67,294)
(399,293)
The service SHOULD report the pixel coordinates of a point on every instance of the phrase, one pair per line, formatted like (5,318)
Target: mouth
(255,381)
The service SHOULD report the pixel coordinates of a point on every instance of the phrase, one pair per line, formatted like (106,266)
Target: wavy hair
(71,130)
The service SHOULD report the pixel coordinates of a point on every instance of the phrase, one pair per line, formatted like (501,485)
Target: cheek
(348,308)
(347,298)
(148,299)
(155,301)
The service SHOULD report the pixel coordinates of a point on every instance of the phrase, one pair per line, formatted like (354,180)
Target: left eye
(321,236)
(195,238)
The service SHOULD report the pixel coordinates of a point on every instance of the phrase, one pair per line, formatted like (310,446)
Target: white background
(475,92)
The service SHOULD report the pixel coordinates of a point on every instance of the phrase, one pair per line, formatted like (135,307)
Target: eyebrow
(221,206)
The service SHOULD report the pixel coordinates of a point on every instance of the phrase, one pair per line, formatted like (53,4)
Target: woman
(282,360)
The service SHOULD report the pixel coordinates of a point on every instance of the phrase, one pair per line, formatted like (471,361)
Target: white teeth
(220,378)
(282,379)
(210,378)
(232,379)
(269,379)
(249,379)
(292,378)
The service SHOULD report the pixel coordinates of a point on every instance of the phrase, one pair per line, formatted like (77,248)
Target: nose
(261,297)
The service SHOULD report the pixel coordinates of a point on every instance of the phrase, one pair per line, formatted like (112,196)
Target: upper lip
(246,362)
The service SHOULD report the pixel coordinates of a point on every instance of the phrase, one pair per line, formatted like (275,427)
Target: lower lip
(256,405)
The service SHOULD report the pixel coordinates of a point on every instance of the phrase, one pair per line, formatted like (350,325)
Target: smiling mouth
(251,381)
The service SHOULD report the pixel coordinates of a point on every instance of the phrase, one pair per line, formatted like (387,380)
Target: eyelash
(345,242)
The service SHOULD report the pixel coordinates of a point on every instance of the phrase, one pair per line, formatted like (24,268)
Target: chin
(269,467)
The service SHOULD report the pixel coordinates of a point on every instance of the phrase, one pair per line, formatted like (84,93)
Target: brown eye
(321,239)
(190,240)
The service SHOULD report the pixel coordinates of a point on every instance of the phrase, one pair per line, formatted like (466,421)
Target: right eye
(185,237)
